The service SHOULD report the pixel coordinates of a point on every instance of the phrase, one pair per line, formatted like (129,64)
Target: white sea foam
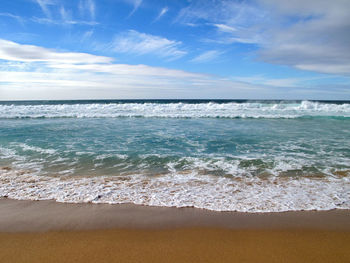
(26,147)
(7,153)
(248,194)
(177,110)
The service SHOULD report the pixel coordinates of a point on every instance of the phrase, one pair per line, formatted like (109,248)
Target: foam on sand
(244,194)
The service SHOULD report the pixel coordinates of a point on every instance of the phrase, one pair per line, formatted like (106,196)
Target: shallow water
(235,156)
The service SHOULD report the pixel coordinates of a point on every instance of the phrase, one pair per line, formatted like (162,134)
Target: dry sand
(46,231)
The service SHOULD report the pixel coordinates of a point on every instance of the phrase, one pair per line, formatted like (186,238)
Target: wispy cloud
(236,21)
(44,6)
(87,35)
(225,28)
(28,53)
(87,7)
(161,13)
(92,8)
(140,44)
(207,56)
(224,12)
(65,15)
(135,3)
(18,18)
(31,71)
(66,19)
(274,82)
(309,35)
(47,21)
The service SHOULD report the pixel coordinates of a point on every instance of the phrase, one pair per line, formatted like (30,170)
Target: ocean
(222,155)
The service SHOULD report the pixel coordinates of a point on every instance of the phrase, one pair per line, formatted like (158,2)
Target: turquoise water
(236,156)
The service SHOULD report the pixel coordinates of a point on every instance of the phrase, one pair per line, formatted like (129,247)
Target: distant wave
(177,110)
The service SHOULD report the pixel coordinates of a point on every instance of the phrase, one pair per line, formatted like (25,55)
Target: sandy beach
(182,131)
(46,231)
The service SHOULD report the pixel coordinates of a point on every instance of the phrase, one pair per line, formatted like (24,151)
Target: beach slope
(45,231)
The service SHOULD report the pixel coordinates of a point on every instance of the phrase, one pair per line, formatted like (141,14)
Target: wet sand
(45,231)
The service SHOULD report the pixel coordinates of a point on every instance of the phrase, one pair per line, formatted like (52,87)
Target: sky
(174,49)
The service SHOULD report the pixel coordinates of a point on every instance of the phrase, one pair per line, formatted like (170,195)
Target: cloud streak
(44,6)
(18,18)
(137,43)
(65,21)
(207,56)
(91,8)
(225,28)
(28,53)
(161,13)
(62,16)
(87,7)
(135,3)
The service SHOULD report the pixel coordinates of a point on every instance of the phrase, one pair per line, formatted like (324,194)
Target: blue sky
(127,49)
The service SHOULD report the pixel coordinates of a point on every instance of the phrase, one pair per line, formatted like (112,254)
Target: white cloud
(161,13)
(66,16)
(92,8)
(61,16)
(87,7)
(225,28)
(343,68)
(32,72)
(225,14)
(135,3)
(87,35)
(63,22)
(140,43)
(18,18)
(207,56)
(28,53)
(234,21)
(319,40)
(44,6)
(125,69)
(308,35)
(272,82)
(130,82)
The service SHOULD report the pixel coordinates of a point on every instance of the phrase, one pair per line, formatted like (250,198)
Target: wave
(249,194)
(178,110)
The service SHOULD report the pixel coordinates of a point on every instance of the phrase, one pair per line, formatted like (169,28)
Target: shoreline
(39,216)
(46,231)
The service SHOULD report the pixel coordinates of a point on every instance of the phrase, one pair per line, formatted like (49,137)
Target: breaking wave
(243,194)
(178,110)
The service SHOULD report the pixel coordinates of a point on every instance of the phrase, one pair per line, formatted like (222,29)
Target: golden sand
(177,245)
(46,231)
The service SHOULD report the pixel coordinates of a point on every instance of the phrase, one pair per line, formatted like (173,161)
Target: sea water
(249,156)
